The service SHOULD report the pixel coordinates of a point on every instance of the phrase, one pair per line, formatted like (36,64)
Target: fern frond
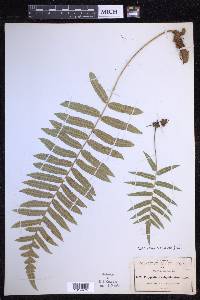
(120,124)
(125,109)
(107,138)
(50,168)
(69,204)
(45,177)
(29,212)
(92,170)
(155,206)
(75,120)
(98,88)
(151,162)
(58,150)
(166,169)
(167,185)
(26,223)
(96,163)
(69,130)
(41,185)
(84,109)
(61,187)
(104,149)
(83,181)
(42,244)
(145,175)
(35,203)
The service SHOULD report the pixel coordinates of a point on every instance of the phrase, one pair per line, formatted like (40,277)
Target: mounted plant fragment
(60,187)
(154,205)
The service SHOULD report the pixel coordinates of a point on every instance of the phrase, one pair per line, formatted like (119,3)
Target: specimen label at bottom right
(172,275)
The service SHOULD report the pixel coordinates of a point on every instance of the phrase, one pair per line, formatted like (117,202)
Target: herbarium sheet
(99,159)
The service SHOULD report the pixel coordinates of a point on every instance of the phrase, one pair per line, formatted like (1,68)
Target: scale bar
(56,12)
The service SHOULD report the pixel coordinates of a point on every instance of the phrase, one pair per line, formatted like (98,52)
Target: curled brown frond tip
(158,124)
(178,40)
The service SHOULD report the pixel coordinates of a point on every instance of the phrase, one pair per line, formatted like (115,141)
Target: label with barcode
(80,287)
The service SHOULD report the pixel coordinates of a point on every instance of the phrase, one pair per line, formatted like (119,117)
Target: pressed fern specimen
(60,187)
(154,204)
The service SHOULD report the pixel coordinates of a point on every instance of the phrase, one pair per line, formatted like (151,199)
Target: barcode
(80,287)
(77,286)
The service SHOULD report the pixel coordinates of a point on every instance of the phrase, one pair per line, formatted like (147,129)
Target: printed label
(164,275)
(110,11)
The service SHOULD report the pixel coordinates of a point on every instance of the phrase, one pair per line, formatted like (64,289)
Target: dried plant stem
(148,225)
(133,56)
(155,151)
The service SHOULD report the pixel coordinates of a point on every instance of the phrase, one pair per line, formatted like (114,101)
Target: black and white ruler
(59,12)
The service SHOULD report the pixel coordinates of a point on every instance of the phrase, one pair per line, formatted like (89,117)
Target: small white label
(80,287)
(110,11)
(164,275)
